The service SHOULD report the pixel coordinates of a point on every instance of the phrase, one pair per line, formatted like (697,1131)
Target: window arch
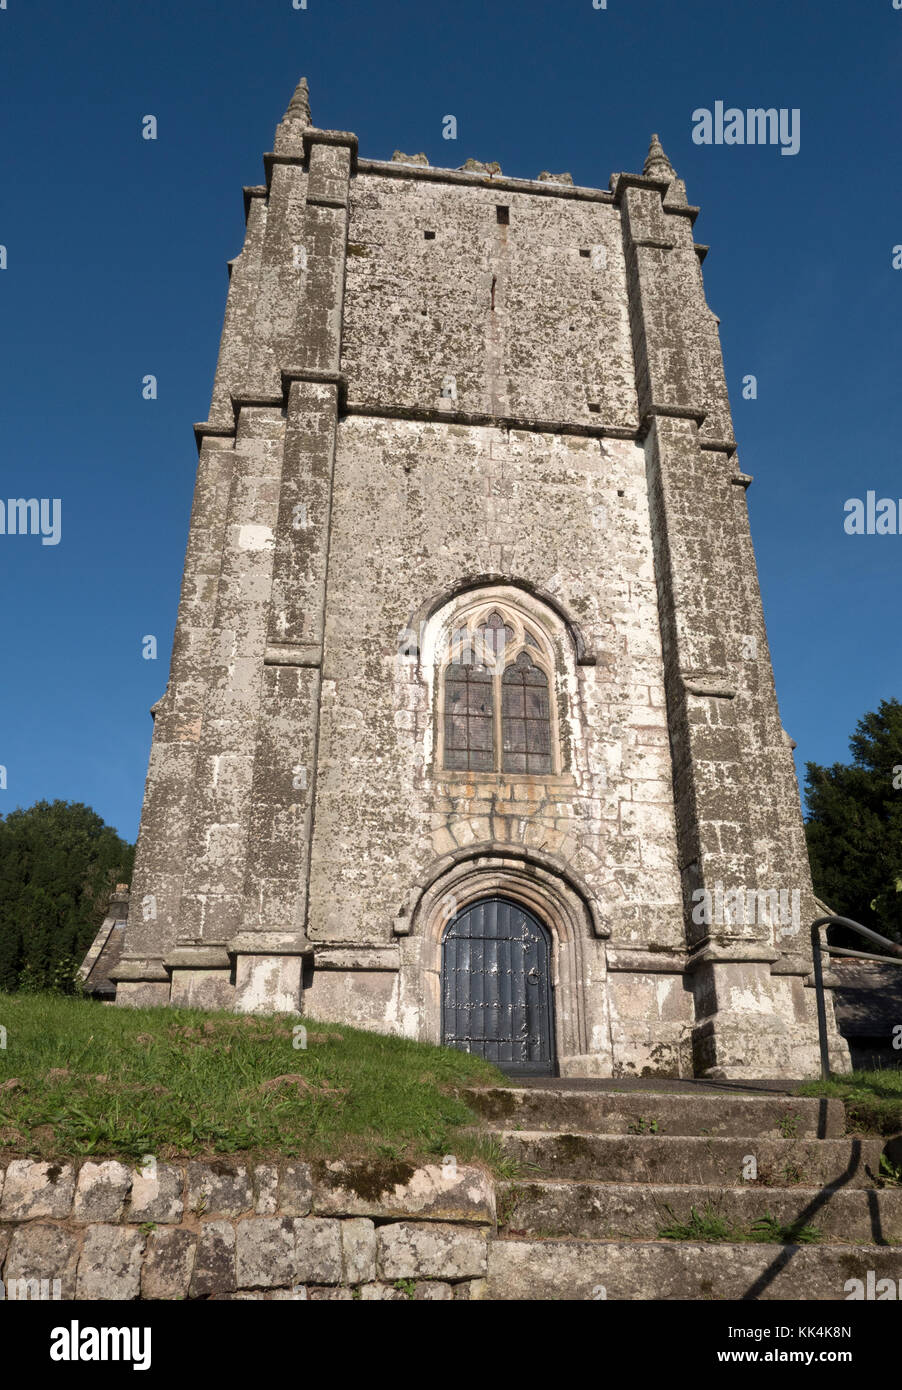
(497,696)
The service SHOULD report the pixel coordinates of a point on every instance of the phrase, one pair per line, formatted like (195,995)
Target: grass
(872,1099)
(709,1225)
(488,1150)
(80,1078)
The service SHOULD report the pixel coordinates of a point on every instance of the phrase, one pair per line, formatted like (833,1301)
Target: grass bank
(873,1099)
(79,1078)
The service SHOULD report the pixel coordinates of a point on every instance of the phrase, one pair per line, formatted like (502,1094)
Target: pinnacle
(657,165)
(299,106)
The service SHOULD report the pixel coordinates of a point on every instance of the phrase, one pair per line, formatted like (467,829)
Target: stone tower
(471,731)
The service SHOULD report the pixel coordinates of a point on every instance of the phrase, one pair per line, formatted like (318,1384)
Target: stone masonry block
(358,1245)
(37,1190)
(168,1264)
(39,1251)
(101,1191)
(214,1263)
(219,1189)
(410,1250)
(158,1195)
(110,1263)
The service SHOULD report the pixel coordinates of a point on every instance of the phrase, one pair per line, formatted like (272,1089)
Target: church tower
(471,733)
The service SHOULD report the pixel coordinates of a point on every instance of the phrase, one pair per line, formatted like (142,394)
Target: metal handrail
(819,950)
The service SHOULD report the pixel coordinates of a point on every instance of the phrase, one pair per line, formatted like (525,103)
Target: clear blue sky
(116,268)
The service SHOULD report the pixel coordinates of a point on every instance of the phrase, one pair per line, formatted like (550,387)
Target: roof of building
(105,950)
(867,1000)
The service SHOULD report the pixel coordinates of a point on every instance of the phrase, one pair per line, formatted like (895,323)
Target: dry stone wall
(232,1230)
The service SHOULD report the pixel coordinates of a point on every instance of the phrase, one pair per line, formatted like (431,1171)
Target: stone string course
(232,1230)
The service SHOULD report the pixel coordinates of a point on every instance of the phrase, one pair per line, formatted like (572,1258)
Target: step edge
(689,1187)
(690,1246)
(845,1139)
(811,1102)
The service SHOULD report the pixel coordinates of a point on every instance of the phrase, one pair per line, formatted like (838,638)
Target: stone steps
(619,1112)
(700,1160)
(601,1173)
(600,1210)
(618,1270)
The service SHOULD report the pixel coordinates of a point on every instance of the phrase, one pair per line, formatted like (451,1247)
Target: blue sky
(116,251)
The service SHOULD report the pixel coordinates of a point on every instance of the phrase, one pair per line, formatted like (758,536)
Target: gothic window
(469,718)
(497,696)
(525,718)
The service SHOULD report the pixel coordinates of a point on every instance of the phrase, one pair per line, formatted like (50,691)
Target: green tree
(854,826)
(59,863)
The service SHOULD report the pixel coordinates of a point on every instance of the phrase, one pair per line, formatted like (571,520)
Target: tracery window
(497,687)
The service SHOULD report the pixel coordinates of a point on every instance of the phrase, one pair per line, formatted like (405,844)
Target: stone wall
(230,1230)
(528,316)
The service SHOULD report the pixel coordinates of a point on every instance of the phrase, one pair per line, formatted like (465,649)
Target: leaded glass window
(525,718)
(469,718)
(498,704)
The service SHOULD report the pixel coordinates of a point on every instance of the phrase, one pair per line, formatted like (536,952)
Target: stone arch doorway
(497,999)
(554,894)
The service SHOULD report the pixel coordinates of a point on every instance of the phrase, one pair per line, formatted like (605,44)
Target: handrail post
(819,996)
(891,947)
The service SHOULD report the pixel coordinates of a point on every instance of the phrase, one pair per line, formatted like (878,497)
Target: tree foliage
(59,863)
(854,827)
